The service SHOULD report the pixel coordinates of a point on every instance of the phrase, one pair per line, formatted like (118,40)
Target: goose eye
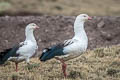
(33,24)
(84,16)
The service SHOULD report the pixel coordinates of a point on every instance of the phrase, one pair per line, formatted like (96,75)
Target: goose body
(24,50)
(69,48)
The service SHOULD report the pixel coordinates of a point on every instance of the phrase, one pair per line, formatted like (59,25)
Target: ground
(60,7)
(99,64)
(95,64)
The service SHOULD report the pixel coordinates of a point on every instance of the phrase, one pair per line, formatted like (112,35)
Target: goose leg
(64,66)
(16,64)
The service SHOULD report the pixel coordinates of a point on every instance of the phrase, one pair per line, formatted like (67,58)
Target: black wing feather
(8,53)
(49,53)
(56,50)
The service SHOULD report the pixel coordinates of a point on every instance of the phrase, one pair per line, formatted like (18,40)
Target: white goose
(70,48)
(23,51)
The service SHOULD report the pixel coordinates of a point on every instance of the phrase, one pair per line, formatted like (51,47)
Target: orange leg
(16,64)
(64,66)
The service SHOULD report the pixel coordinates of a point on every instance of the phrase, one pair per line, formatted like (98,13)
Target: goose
(70,48)
(22,51)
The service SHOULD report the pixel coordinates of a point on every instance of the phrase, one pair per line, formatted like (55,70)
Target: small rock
(101,24)
(106,36)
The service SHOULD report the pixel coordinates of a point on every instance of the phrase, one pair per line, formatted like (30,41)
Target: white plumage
(25,49)
(79,43)
(70,48)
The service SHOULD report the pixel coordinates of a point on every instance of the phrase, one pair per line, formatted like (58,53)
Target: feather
(56,50)
(49,53)
(8,53)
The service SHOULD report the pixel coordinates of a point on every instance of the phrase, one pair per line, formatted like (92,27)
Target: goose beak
(37,27)
(89,18)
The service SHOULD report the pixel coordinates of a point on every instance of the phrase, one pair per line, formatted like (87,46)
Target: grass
(98,64)
(62,7)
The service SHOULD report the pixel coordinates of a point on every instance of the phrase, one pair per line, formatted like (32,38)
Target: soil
(101,31)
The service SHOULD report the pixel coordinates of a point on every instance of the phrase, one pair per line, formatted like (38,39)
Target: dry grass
(99,64)
(62,7)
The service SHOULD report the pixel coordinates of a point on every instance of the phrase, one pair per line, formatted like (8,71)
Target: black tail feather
(50,53)
(44,51)
(2,54)
(8,53)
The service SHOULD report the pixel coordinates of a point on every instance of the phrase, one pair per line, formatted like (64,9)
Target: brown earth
(101,31)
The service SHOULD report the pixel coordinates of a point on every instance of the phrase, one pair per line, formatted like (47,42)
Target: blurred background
(60,7)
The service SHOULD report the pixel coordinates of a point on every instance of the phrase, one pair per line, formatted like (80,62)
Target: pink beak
(89,18)
(37,27)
